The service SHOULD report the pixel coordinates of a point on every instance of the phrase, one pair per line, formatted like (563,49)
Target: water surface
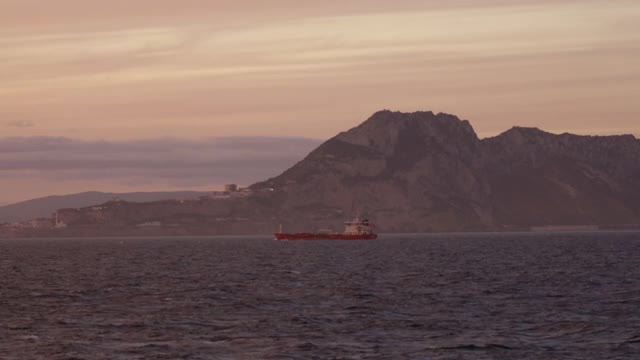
(474,296)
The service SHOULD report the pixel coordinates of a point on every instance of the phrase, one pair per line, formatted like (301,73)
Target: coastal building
(242,192)
(230,188)
(219,195)
(57,223)
(230,191)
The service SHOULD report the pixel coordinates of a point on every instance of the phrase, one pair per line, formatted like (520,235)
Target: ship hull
(311,236)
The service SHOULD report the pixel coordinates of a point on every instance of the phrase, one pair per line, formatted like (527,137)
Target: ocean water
(474,296)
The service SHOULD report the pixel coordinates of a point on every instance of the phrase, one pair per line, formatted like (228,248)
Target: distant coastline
(124,235)
(420,172)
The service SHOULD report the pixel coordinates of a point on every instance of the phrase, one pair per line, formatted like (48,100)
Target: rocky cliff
(538,178)
(430,172)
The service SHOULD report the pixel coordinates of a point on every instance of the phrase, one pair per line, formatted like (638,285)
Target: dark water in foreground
(567,296)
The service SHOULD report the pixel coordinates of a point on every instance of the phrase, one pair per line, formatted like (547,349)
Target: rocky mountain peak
(427,171)
(520,134)
(534,145)
(385,129)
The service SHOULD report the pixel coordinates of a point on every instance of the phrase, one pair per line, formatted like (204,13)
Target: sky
(189,72)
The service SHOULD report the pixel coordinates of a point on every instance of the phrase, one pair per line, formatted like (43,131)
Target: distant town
(99,215)
(210,214)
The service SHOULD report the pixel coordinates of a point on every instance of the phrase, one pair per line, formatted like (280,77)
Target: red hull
(310,236)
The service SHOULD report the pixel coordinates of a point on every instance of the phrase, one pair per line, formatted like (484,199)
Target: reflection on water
(476,296)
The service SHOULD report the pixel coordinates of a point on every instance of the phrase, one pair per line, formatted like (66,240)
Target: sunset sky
(113,72)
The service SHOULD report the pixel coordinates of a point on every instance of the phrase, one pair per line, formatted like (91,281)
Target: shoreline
(382,236)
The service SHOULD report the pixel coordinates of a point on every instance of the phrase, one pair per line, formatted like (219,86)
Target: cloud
(170,162)
(59,153)
(20,14)
(20,123)
(302,45)
(285,67)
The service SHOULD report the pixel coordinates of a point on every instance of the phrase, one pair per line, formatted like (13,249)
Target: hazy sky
(193,69)
(40,166)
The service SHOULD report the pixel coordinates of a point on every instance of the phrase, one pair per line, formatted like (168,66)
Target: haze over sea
(458,296)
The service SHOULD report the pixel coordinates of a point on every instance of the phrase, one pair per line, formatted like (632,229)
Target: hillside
(538,178)
(407,172)
(430,172)
(44,206)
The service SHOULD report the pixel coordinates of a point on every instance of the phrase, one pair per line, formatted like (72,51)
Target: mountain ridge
(415,172)
(431,172)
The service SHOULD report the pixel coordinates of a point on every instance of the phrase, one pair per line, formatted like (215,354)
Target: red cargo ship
(354,230)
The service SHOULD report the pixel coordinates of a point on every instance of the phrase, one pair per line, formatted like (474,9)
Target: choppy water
(400,297)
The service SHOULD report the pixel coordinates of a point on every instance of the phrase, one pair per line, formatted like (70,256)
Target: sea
(436,296)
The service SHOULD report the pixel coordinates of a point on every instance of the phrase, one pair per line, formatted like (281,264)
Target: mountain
(538,178)
(43,207)
(430,172)
(406,172)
